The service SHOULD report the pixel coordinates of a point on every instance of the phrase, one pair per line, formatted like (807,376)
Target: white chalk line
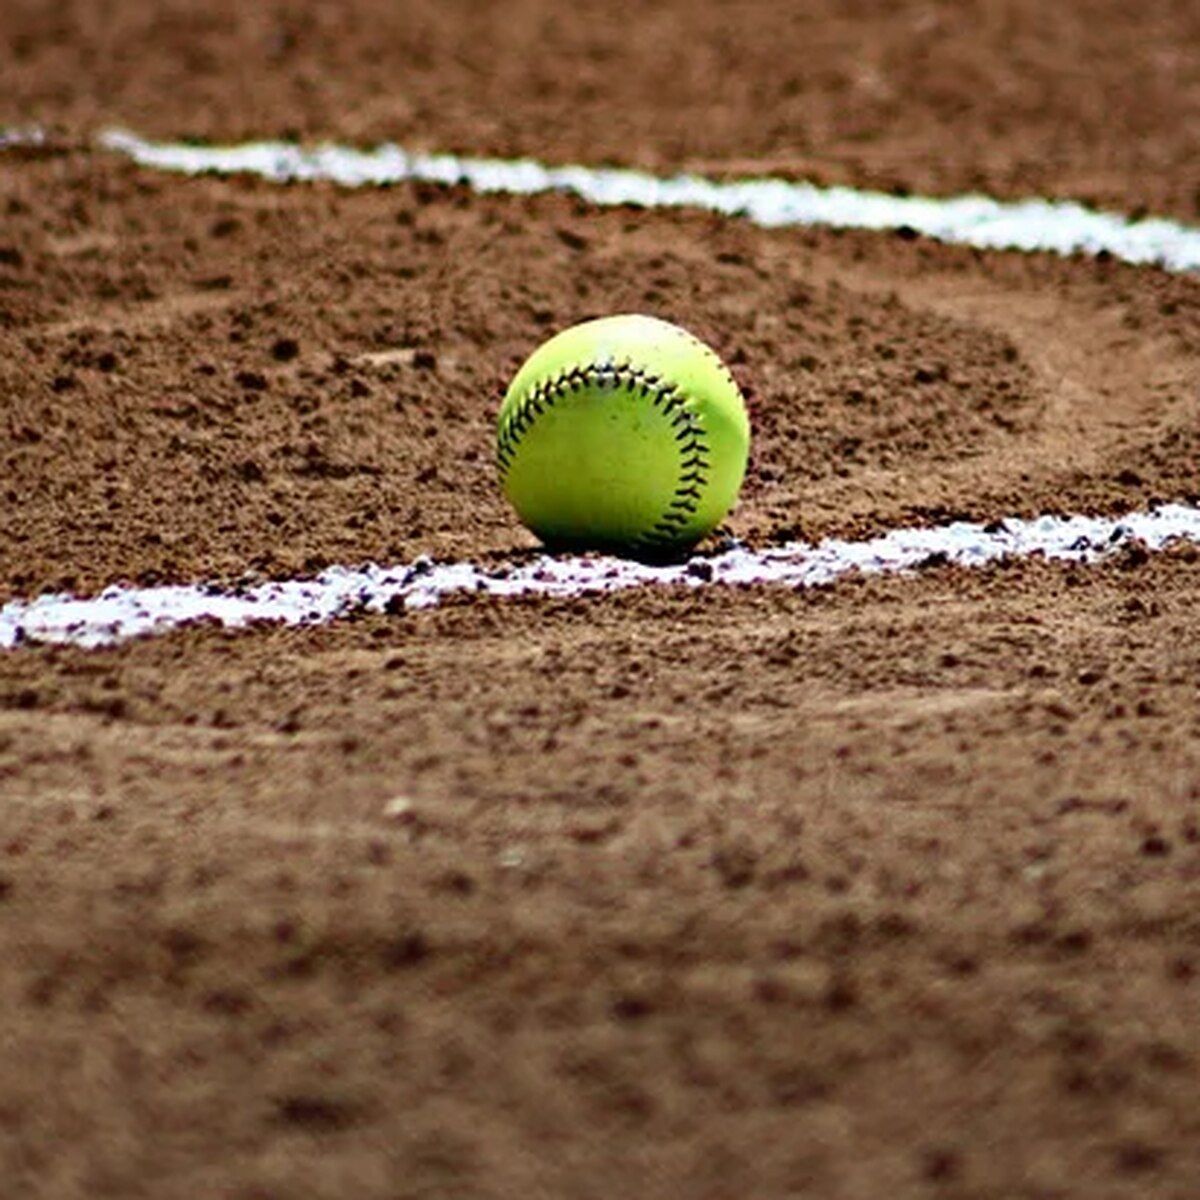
(1061,227)
(28,135)
(119,613)
(1056,226)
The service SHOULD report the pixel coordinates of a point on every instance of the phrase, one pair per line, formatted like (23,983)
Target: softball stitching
(695,458)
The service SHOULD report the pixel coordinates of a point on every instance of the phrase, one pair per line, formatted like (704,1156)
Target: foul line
(1061,227)
(29,135)
(119,613)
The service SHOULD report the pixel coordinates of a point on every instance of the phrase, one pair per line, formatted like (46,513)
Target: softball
(624,434)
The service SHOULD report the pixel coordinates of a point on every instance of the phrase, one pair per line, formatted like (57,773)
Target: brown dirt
(216,378)
(1093,99)
(884,889)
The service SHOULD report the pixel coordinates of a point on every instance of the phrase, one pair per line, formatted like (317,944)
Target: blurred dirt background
(1092,99)
(884,889)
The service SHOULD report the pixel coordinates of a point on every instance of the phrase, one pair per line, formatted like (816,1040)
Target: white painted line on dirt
(22,136)
(119,613)
(1062,227)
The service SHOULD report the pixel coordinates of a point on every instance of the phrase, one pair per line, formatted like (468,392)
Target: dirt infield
(1093,99)
(229,377)
(887,888)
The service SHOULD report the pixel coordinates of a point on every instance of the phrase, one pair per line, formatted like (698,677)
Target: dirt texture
(232,378)
(888,888)
(1094,99)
